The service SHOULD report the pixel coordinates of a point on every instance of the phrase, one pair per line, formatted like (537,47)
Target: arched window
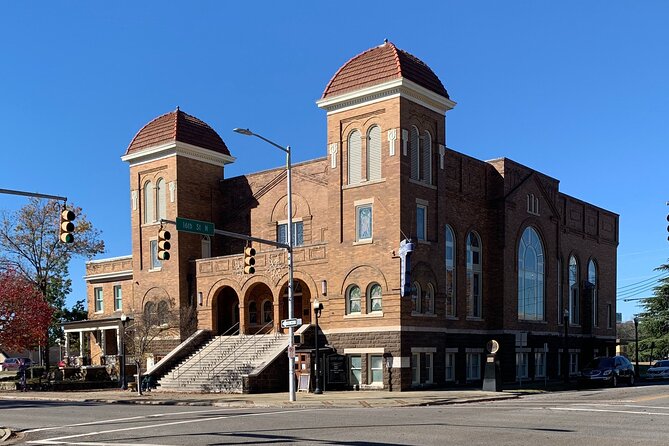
(149,313)
(267,312)
(374,153)
(574,298)
(414,147)
(374,293)
(530,276)
(426,155)
(474,275)
(428,308)
(147,195)
(253,313)
(592,285)
(450,271)
(353,299)
(160,199)
(163,312)
(416,298)
(354,157)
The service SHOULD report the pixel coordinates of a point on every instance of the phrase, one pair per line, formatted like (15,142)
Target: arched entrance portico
(301,302)
(225,312)
(258,310)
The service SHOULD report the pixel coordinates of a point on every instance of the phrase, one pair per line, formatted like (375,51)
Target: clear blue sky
(577,90)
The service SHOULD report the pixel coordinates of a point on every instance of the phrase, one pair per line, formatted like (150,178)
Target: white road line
(59,440)
(634,412)
(139,417)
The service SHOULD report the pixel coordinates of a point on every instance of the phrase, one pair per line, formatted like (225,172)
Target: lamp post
(565,349)
(121,360)
(291,345)
(318,307)
(636,345)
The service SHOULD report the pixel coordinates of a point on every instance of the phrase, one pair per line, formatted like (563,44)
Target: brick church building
(499,252)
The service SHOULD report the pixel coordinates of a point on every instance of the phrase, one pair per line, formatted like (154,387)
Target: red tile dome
(177,126)
(382,64)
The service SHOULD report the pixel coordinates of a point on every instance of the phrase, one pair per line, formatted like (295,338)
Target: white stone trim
(173,148)
(363,350)
(134,197)
(333,155)
(392,137)
(423,349)
(442,153)
(109,259)
(451,350)
(105,277)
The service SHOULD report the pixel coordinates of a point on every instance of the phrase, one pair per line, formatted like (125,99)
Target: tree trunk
(139,376)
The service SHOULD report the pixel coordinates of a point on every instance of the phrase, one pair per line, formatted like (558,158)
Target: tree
(654,320)
(24,313)
(30,245)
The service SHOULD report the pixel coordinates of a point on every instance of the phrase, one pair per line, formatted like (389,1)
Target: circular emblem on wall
(492,346)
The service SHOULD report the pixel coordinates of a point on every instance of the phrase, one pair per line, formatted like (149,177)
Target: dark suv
(608,370)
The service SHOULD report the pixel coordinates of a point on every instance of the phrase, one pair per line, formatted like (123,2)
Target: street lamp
(565,349)
(124,319)
(636,345)
(291,345)
(318,307)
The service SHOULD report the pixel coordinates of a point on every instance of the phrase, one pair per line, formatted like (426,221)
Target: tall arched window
(163,312)
(530,276)
(147,196)
(426,161)
(414,147)
(592,284)
(428,308)
(450,271)
(474,275)
(160,199)
(253,313)
(574,299)
(267,312)
(353,299)
(416,298)
(149,314)
(374,153)
(354,157)
(374,298)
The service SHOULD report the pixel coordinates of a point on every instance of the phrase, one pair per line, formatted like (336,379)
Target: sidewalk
(369,398)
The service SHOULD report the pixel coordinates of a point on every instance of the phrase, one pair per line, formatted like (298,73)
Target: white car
(659,370)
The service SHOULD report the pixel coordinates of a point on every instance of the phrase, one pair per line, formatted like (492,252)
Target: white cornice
(396,88)
(109,259)
(174,148)
(108,277)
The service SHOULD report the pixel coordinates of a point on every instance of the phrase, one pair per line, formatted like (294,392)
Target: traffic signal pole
(32,194)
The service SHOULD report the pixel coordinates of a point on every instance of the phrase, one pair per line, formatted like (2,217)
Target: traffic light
(66,226)
(164,244)
(249,260)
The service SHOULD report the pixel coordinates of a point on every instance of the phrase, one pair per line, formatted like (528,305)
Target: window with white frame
(355,375)
(521,365)
(421,222)
(374,298)
(539,364)
(374,153)
(473,366)
(99,302)
(416,298)
(450,366)
(298,233)
(573,363)
(592,284)
(415,369)
(375,375)
(428,308)
(363,222)
(450,271)
(155,262)
(574,298)
(118,298)
(147,195)
(161,205)
(354,157)
(429,368)
(353,299)
(474,275)
(530,276)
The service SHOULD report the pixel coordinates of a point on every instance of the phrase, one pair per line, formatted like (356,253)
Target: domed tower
(176,164)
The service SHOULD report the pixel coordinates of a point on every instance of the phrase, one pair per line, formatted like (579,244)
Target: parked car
(659,370)
(608,370)
(14,363)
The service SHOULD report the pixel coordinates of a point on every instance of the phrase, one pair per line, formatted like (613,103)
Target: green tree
(30,245)
(654,320)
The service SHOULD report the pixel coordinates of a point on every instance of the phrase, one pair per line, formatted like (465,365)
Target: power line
(659,277)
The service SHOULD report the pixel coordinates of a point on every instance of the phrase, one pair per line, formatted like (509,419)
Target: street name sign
(287,323)
(195,226)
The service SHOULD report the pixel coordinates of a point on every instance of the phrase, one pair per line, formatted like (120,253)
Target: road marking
(634,412)
(59,440)
(651,398)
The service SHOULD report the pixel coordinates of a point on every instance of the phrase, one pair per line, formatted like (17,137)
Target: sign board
(291,351)
(195,226)
(337,371)
(295,322)
(303,383)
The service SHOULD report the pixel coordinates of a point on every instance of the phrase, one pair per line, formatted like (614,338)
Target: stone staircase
(220,364)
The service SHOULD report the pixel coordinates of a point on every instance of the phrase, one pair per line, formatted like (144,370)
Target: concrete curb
(4,434)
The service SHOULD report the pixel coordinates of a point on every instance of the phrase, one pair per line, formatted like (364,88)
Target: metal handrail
(178,370)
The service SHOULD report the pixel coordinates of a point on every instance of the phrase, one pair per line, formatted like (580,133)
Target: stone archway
(225,312)
(301,301)
(258,310)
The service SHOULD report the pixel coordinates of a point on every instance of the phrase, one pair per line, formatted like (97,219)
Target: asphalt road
(621,416)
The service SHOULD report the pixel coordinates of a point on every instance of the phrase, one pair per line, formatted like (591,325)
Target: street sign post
(195,226)
(287,323)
